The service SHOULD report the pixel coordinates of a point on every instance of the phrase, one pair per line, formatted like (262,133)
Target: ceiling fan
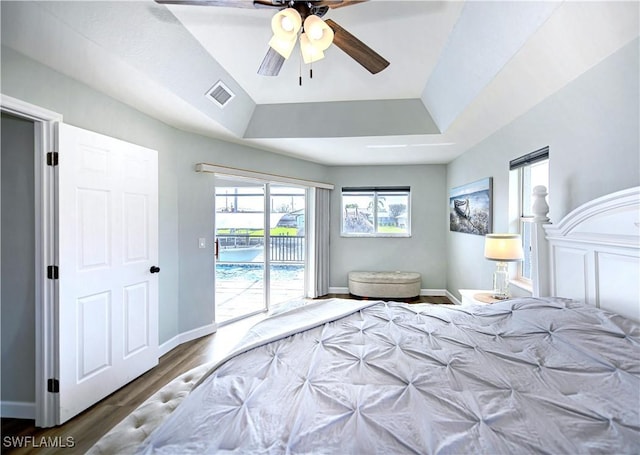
(296,16)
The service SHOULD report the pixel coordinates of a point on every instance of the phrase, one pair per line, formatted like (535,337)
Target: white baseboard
(452,297)
(433,292)
(18,410)
(338,290)
(187,336)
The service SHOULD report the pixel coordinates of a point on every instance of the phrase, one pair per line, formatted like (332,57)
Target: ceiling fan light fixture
(310,52)
(286,24)
(318,32)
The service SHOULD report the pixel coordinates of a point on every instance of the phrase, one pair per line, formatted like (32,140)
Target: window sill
(524,285)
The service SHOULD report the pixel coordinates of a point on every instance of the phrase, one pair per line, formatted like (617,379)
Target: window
(528,172)
(376,212)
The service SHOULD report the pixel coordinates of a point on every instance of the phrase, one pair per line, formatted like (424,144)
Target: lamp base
(501,281)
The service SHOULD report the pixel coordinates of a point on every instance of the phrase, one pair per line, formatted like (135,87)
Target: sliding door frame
(268,180)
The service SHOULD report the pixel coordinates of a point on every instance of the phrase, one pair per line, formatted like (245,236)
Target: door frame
(45,122)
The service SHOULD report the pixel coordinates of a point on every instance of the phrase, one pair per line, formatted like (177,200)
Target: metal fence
(287,248)
(283,248)
(230,241)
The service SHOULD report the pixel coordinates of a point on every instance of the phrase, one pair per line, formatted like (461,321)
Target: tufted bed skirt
(127,436)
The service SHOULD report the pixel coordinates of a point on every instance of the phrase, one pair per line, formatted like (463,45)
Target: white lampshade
(286,24)
(318,32)
(310,53)
(503,247)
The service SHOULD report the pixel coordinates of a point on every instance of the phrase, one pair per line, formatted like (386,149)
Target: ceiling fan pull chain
(300,69)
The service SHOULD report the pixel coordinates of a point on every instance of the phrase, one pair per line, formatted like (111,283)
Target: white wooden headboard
(593,253)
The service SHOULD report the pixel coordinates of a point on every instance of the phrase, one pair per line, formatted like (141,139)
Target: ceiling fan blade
(228,3)
(271,63)
(356,49)
(338,3)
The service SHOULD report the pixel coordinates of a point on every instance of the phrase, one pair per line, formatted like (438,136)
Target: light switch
(202,242)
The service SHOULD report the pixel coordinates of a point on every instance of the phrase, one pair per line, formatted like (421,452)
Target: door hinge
(52,272)
(52,159)
(53,385)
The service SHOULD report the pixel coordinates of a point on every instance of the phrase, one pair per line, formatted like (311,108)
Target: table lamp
(502,248)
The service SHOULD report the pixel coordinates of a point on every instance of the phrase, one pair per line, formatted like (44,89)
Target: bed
(530,375)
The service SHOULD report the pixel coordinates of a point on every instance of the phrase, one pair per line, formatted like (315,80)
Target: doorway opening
(18,263)
(260,255)
(43,410)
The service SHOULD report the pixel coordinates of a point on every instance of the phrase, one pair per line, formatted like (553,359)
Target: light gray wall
(342,118)
(424,251)
(185,198)
(18,263)
(591,128)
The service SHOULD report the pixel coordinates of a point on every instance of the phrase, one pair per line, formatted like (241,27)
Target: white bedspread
(520,376)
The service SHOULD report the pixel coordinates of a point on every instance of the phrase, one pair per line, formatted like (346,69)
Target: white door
(108,252)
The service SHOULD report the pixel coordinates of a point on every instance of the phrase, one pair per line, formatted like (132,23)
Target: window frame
(376,192)
(518,167)
(526,247)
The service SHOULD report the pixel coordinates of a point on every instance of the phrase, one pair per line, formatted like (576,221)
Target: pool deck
(237,297)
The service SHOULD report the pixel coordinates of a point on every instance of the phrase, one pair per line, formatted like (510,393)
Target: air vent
(220,94)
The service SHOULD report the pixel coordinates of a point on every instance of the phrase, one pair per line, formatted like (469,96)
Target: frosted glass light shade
(503,247)
(282,46)
(318,32)
(310,53)
(286,24)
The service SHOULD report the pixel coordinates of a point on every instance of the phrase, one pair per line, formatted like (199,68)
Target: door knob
(154,269)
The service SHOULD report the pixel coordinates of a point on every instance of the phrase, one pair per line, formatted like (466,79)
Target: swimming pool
(254,272)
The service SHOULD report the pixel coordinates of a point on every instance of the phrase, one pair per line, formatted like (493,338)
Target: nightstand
(477,297)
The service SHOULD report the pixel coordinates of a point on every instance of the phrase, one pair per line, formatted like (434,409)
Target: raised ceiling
(459,71)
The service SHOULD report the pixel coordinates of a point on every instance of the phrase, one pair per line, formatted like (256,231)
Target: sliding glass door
(260,247)
(287,245)
(240,249)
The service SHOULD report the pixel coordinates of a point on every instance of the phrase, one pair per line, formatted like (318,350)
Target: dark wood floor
(85,429)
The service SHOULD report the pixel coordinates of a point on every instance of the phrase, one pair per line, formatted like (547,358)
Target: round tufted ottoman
(399,285)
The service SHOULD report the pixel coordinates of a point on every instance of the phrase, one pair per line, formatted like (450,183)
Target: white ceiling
(420,29)
(474,67)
